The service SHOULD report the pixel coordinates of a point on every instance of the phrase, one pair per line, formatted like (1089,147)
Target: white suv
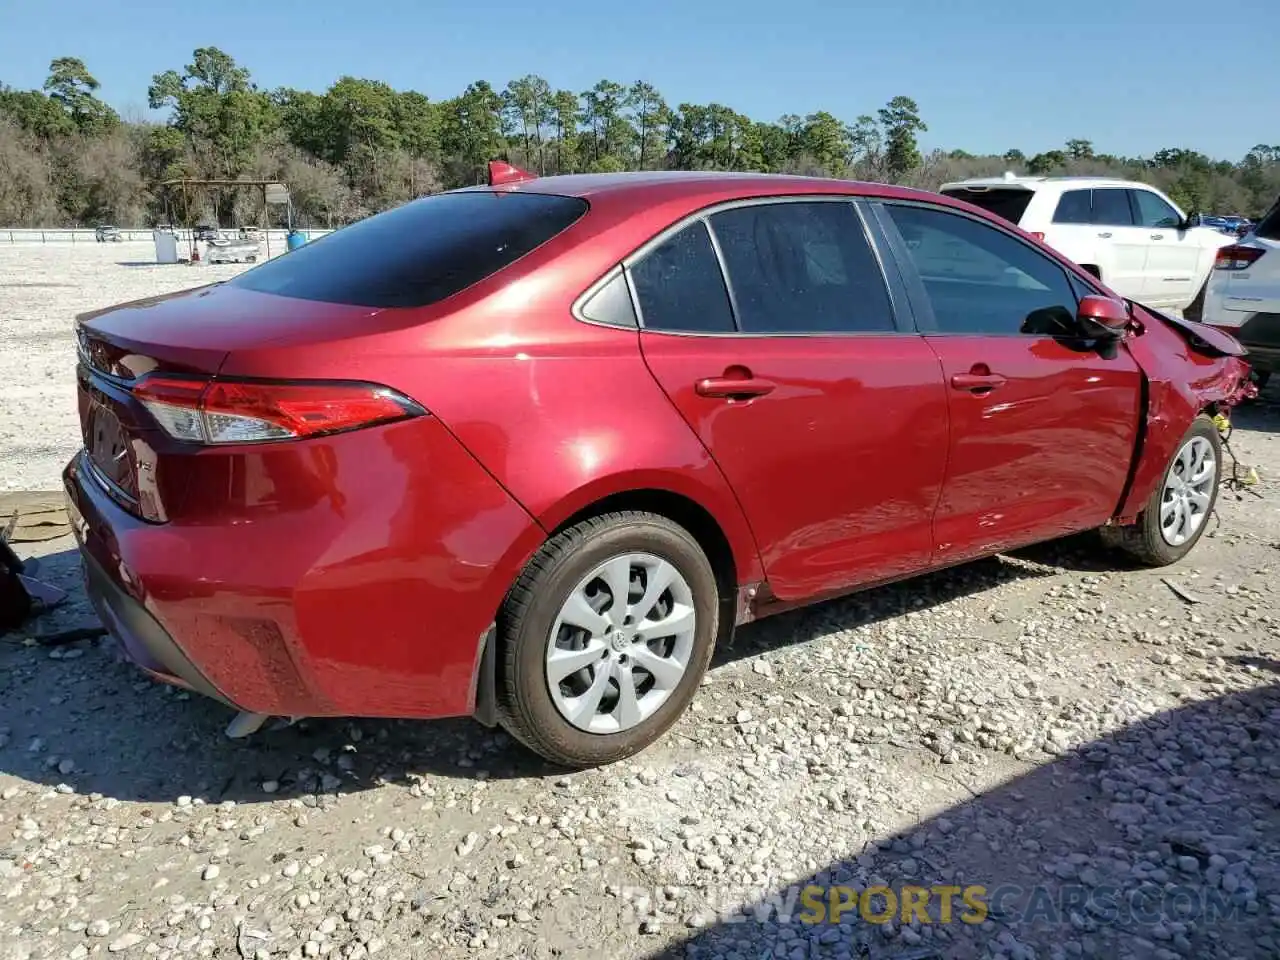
(1244,294)
(1128,234)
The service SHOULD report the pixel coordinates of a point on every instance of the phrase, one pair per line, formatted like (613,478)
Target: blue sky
(1132,75)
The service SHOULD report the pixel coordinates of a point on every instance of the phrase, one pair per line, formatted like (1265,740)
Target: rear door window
(1007,203)
(679,286)
(1111,208)
(802,268)
(420,253)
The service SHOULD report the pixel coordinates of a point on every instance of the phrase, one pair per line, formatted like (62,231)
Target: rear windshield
(419,253)
(1009,204)
(1269,226)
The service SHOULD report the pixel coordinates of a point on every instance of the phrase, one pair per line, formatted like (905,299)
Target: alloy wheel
(1188,491)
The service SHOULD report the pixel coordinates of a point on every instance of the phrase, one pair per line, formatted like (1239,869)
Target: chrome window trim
(902,326)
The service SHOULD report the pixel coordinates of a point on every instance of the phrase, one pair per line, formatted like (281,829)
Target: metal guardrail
(16,235)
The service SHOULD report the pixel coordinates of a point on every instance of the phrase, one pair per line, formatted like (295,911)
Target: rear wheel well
(690,515)
(680,509)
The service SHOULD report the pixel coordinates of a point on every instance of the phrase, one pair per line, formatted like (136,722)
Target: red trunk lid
(191,332)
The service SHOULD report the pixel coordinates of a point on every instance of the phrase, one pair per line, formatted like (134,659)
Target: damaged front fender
(1185,376)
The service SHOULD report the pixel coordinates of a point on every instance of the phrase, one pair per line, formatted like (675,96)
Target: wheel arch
(1179,386)
(720,530)
(717,523)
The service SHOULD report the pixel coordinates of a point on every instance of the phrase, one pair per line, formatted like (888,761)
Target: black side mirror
(1102,318)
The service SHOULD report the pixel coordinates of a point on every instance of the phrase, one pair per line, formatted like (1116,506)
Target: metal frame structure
(184,183)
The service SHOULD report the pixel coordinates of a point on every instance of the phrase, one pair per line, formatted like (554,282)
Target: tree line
(67,158)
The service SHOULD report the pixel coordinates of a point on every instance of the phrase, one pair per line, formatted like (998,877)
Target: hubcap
(1188,490)
(621,643)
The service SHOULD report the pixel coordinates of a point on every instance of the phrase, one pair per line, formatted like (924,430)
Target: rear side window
(1269,226)
(1073,207)
(679,285)
(1111,208)
(611,304)
(420,253)
(802,268)
(1008,204)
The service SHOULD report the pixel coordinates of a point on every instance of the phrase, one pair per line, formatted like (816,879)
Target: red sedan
(529,451)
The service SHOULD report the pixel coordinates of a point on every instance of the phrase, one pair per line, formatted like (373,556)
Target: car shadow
(1083,553)
(131,738)
(1159,840)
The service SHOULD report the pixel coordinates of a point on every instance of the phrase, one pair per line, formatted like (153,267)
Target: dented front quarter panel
(1181,382)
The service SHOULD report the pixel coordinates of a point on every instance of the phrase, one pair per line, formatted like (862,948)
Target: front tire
(605,637)
(1175,517)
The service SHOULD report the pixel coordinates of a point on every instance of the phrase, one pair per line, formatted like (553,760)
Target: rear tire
(1176,515)
(584,679)
(1195,310)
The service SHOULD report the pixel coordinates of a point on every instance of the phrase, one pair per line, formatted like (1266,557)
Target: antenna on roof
(501,172)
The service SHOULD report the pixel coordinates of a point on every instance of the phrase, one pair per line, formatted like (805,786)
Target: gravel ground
(42,288)
(1054,726)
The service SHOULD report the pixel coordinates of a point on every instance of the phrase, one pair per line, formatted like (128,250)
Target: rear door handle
(1105,236)
(734,388)
(977,382)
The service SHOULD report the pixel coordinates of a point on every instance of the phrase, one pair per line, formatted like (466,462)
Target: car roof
(700,184)
(1034,183)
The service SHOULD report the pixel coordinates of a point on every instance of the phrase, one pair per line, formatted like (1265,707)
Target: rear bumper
(144,641)
(369,601)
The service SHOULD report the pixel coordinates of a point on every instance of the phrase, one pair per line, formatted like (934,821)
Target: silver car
(233,251)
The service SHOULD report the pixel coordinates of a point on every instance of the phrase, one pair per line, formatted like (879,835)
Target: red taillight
(1038,235)
(1237,257)
(253,411)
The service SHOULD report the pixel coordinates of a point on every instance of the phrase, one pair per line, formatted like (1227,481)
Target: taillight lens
(1237,257)
(255,411)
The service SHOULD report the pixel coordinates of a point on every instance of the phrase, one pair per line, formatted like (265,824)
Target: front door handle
(733,388)
(1106,235)
(1157,236)
(977,382)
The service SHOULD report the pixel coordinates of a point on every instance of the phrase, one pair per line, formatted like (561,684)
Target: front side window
(1153,211)
(802,267)
(980,280)
(1111,208)
(679,285)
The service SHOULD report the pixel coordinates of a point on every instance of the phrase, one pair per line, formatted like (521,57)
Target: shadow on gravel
(133,739)
(1083,553)
(1160,841)
(1261,414)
